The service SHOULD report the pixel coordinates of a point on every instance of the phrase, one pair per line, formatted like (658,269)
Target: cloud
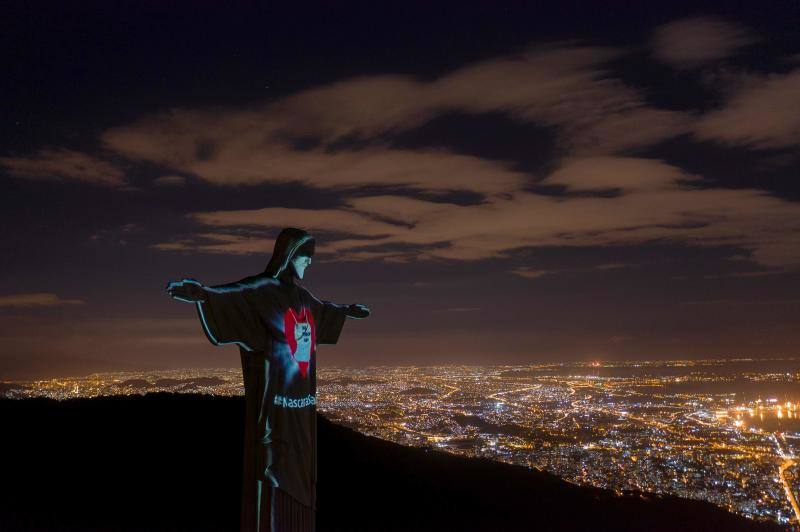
(655,202)
(170,181)
(627,130)
(758,273)
(338,136)
(301,138)
(625,173)
(223,243)
(252,161)
(533,273)
(611,266)
(40,299)
(64,164)
(693,42)
(567,87)
(332,219)
(762,114)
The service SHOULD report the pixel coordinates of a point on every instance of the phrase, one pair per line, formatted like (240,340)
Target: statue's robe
(277,325)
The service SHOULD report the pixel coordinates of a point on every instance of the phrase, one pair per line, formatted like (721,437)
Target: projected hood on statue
(290,243)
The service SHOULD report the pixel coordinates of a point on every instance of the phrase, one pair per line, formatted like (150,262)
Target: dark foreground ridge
(173,462)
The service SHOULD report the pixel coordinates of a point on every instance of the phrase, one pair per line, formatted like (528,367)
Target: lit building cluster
(219,381)
(723,431)
(710,430)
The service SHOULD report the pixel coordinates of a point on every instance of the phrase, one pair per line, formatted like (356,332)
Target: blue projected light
(210,334)
(242,286)
(202,313)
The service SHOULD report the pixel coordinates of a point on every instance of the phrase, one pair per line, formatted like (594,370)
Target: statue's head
(291,255)
(302,258)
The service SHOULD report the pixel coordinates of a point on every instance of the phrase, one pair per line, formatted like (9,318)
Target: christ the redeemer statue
(277,325)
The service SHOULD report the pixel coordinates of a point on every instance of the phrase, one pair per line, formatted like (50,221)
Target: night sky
(499,183)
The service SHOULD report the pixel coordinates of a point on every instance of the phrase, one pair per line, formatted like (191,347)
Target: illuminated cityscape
(723,431)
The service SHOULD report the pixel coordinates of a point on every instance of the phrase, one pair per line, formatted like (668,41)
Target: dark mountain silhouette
(173,462)
(136,383)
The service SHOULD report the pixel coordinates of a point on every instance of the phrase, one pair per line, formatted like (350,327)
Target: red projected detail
(301,337)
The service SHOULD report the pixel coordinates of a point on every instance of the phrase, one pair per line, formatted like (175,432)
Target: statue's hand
(188,290)
(357,311)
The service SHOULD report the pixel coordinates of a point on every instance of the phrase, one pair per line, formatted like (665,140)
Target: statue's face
(300,263)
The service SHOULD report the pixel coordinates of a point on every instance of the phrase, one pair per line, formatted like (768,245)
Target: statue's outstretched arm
(225,311)
(357,311)
(188,290)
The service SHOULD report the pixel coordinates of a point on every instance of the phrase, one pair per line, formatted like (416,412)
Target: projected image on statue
(277,324)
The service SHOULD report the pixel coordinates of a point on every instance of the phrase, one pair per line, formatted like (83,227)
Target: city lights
(709,430)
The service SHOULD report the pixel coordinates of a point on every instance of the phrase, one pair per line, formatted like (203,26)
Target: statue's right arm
(188,290)
(226,311)
(193,291)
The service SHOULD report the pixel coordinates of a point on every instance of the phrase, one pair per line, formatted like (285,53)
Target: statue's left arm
(329,317)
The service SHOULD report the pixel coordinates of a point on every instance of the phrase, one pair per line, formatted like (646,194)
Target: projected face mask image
(300,336)
(300,263)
